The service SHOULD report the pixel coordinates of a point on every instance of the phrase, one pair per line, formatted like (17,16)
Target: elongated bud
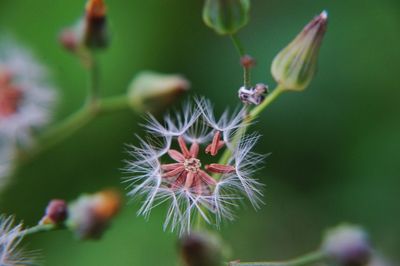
(348,245)
(226,16)
(294,67)
(90,215)
(95,25)
(201,249)
(151,91)
(56,212)
(89,33)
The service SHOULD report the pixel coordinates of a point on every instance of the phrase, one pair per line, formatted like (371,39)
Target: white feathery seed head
(26,96)
(178,165)
(10,238)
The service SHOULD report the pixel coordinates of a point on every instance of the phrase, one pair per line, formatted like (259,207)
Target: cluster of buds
(88,216)
(90,32)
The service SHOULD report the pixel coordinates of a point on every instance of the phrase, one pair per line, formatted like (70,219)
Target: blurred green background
(335,147)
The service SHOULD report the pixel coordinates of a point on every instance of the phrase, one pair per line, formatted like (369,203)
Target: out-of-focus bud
(226,16)
(201,249)
(90,32)
(254,95)
(247,61)
(347,245)
(294,67)
(90,215)
(96,35)
(56,212)
(151,91)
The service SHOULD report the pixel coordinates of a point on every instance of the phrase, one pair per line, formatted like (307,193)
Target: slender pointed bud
(90,215)
(95,35)
(294,67)
(226,16)
(348,245)
(151,91)
(200,249)
(56,212)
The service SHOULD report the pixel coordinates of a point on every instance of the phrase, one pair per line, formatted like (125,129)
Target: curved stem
(37,229)
(73,123)
(254,113)
(267,101)
(306,259)
(94,80)
(238,45)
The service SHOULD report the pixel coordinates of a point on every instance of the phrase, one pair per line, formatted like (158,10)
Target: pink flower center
(10,95)
(186,172)
(192,165)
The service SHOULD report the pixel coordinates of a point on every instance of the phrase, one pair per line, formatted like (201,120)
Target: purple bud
(348,245)
(56,212)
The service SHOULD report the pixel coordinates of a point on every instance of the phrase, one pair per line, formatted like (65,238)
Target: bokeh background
(335,148)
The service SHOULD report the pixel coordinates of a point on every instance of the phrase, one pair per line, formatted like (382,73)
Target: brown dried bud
(200,249)
(90,215)
(95,32)
(56,212)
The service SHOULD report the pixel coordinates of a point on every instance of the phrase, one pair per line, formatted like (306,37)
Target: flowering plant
(202,166)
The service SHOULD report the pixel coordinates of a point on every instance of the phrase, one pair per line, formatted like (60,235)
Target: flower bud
(90,32)
(151,91)
(295,66)
(226,16)
(348,245)
(90,215)
(95,25)
(56,212)
(200,249)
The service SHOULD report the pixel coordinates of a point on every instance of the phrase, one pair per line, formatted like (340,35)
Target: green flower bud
(294,67)
(151,91)
(226,16)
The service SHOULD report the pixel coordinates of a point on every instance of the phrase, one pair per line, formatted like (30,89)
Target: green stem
(37,229)
(113,104)
(250,117)
(267,101)
(74,122)
(307,259)
(246,71)
(238,45)
(94,80)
